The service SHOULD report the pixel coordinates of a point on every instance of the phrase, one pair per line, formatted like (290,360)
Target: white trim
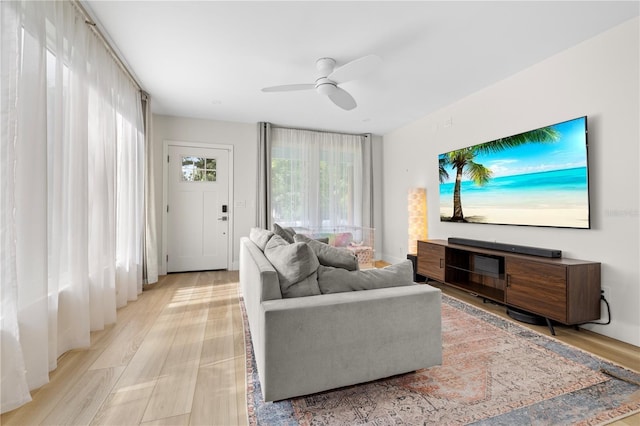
(165,195)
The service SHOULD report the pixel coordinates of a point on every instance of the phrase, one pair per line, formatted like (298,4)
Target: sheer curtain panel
(319,179)
(72,172)
(14,389)
(150,261)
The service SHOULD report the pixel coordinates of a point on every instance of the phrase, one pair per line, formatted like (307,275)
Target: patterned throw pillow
(342,239)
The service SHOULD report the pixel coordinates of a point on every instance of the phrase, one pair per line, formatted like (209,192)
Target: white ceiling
(210,59)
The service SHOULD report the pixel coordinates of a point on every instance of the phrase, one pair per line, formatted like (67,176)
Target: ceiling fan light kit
(330,78)
(326,87)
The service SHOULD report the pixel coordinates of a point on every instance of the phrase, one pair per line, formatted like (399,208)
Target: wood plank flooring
(176,357)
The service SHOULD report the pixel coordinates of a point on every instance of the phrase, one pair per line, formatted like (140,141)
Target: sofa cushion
(260,237)
(296,265)
(286,233)
(328,255)
(337,280)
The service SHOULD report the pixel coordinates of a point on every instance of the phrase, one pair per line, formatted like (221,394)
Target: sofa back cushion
(296,265)
(260,237)
(328,255)
(337,280)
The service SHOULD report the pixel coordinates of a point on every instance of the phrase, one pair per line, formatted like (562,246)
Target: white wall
(598,78)
(243,137)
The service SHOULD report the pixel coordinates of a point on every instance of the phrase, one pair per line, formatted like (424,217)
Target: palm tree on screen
(462,161)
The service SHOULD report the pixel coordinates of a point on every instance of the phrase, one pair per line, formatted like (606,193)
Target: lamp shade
(417,213)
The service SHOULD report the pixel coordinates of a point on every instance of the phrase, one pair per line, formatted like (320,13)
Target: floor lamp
(417,210)
(417,213)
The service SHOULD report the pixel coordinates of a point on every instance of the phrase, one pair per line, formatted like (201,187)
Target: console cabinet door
(431,260)
(537,287)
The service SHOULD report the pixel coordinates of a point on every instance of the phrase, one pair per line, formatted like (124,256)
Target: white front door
(198,209)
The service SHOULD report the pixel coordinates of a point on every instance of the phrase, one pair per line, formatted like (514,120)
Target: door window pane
(198,169)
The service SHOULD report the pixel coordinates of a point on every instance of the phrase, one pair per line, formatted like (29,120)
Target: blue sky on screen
(566,153)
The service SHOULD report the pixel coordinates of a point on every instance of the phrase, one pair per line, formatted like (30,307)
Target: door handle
(223,218)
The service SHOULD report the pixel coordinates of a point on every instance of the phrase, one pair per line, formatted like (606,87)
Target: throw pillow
(328,255)
(336,280)
(296,265)
(286,233)
(342,239)
(260,237)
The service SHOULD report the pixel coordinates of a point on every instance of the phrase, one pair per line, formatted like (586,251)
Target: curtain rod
(276,126)
(94,27)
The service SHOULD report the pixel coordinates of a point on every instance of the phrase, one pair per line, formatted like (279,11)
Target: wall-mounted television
(536,178)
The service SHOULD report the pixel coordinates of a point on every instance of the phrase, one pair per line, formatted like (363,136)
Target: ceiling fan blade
(289,87)
(355,69)
(343,99)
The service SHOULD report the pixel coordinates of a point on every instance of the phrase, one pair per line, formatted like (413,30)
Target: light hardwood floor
(176,357)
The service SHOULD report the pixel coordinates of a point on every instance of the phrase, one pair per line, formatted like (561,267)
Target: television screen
(536,178)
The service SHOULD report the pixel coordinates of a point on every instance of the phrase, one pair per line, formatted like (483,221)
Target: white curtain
(318,179)
(150,260)
(72,172)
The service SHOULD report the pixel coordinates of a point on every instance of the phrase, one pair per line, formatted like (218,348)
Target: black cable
(608,313)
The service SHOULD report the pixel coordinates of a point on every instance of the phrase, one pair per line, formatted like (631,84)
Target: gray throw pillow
(336,280)
(260,237)
(328,255)
(286,233)
(296,265)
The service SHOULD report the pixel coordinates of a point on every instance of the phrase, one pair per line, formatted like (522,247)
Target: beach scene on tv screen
(536,178)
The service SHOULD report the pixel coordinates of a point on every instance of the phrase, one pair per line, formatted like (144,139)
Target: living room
(596,77)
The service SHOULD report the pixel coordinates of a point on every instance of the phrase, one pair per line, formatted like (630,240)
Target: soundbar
(512,248)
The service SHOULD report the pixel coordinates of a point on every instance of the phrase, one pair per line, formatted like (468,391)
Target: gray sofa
(305,345)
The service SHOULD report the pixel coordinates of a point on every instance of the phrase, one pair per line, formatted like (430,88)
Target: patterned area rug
(494,372)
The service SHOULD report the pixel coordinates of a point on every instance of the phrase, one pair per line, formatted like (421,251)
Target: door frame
(165,195)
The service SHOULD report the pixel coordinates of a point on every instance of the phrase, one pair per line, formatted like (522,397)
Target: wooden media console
(558,289)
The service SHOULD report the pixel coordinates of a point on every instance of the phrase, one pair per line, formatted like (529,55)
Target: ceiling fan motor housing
(325,66)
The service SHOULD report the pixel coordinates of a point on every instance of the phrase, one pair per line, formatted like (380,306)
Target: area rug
(494,372)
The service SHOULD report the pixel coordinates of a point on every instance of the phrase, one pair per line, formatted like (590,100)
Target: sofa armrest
(256,271)
(322,342)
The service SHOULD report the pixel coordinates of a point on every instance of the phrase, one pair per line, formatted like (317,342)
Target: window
(198,169)
(316,178)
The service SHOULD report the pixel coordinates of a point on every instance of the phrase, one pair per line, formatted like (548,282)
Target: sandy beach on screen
(574,218)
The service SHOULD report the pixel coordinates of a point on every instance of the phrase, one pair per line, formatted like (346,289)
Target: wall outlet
(606,292)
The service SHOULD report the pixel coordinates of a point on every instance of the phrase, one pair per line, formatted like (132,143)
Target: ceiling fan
(329,79)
